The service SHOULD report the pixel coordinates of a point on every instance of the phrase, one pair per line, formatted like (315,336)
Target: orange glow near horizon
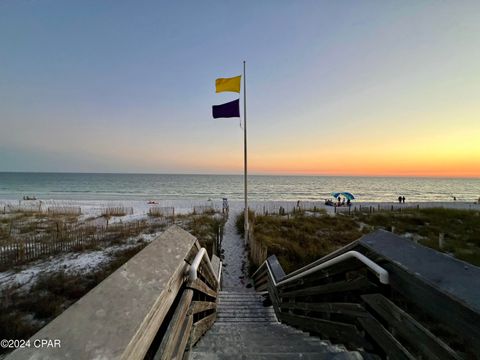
(436,157)
(413,170)
(361,164)
(385,166)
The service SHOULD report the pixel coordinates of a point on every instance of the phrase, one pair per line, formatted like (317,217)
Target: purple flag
(227,110)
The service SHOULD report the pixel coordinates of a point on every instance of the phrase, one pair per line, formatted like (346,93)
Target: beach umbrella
(348,195)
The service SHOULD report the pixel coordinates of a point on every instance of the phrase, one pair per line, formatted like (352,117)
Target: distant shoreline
(141,207)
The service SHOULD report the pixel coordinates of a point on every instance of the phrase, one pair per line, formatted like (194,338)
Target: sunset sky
(334,87)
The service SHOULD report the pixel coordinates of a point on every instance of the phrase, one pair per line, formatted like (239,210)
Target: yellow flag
(228,84)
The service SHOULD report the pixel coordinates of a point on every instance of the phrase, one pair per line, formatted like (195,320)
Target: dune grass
(15,226)
(159,211)
(461,229)
(117,211)
(24,313)
(300,238)
(204,227)
(45,234)
(65,210)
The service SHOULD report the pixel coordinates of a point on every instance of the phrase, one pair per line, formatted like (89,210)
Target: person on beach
(403,199)
(400,199)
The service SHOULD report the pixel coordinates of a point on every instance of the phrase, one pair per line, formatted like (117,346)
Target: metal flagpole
(245,225)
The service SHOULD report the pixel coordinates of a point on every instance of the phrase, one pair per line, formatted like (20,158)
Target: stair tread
(246,329)
(276,355)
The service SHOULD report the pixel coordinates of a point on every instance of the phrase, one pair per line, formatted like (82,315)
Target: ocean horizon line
(241,174)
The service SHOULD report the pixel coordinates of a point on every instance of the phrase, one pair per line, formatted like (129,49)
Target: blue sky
(127,86)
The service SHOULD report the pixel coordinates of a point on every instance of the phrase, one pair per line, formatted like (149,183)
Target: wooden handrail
(183,332)
(381,273)
(193,269)
(339,300)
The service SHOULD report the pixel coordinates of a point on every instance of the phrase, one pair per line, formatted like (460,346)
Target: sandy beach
(93,208)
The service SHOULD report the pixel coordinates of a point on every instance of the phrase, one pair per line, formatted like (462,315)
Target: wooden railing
(195,311)
(148,309)
(429,308)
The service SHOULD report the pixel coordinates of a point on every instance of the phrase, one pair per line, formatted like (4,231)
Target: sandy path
(235,260)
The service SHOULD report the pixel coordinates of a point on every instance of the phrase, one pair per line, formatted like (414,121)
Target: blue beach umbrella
(348,195)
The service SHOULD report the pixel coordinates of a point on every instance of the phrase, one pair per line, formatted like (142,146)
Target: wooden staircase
(247,329)
(381,297)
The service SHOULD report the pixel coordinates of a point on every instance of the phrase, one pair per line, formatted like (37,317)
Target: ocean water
(78,186)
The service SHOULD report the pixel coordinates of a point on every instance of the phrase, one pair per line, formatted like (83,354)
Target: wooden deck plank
(199,306)
(350,309)
(181,347)
(360,283)
(168,346)
(392,347)
(200,327)
(407,327)
(340,332)
(199,285)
